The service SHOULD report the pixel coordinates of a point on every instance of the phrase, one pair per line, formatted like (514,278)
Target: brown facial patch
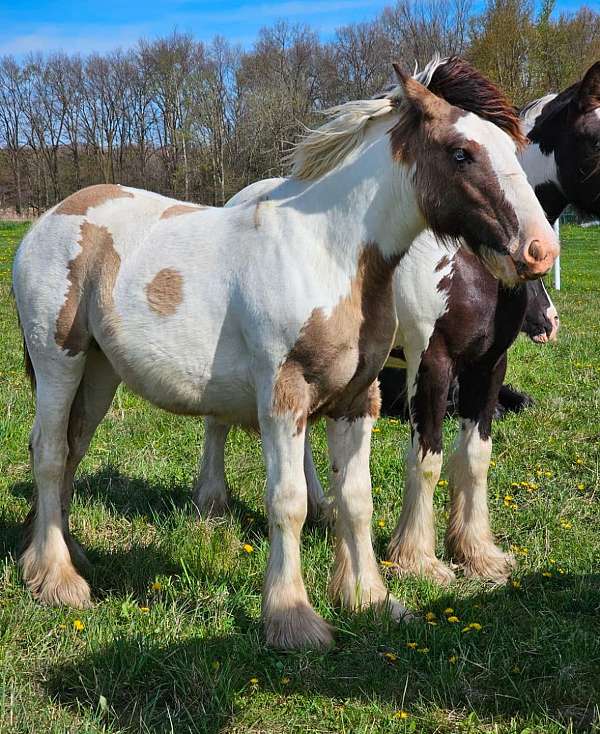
(178,209)
(457,199)
(165,291)
(81,201)
(331,367)
(92,273)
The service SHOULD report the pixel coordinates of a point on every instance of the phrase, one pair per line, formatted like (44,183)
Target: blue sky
(84,26)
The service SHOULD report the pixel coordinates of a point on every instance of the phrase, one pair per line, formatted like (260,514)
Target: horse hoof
(58,586)
(211,506)
(297,628)
(429,568)
(490,565)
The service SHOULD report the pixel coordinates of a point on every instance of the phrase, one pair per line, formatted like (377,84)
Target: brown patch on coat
(165,291)
(92,275)
(79,202)
(178,209)
(335,361)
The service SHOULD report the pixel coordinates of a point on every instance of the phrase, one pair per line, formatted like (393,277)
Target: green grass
(186,663)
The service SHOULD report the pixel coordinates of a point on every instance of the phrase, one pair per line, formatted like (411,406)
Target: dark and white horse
(184,304)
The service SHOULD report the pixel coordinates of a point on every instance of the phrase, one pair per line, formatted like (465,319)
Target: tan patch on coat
(81,201)
(165,291)
(331,367)
(92,275)
(178,209)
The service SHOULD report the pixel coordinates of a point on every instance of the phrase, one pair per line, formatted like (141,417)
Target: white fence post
(557,261)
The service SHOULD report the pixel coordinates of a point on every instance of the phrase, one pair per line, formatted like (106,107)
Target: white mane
(321,150)
(533,110)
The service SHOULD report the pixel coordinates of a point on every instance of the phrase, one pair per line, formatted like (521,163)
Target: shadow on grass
(535,658)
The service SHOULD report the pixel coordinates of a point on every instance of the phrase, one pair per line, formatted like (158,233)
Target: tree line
(199,121)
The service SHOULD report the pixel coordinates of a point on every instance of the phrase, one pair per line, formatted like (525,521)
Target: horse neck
(368,198)
(542,173)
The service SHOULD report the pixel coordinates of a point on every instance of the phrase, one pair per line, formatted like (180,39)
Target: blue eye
(459,155)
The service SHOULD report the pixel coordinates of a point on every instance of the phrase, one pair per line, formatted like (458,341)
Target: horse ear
(589,89)
(429,105)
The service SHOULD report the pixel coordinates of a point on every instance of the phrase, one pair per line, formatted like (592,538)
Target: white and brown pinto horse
(456,321)
(261,316)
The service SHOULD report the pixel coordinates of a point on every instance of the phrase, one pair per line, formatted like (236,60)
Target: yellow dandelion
(492,462)
(448,610)
(423,650)
(285,680)
(376,430)
(453,619)
(387,564)
(381,523)
(547,574)
(156,586)
(247,548)
(565,525)
(581,487)
(516,584)
(390,656)
(412,645)
(579,460)
(430,616)
(401,715)
(253,681)
(215,665)
(453,659)
(475,626)
(144,610)
(443,483)
(78,625)
(515,669)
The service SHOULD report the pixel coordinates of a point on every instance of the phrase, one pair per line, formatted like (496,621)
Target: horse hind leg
(46,561)
(92,401)
(211,493)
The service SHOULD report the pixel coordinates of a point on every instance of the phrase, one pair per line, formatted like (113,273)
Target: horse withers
(183,304)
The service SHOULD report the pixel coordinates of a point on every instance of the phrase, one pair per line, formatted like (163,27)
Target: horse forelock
(461,85)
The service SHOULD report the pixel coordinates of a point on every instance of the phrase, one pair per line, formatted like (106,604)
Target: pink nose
(539,255)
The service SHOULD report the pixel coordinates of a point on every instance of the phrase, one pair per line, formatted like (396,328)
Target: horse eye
(459,155)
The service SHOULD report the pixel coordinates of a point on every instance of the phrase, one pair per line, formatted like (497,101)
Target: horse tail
(28,364)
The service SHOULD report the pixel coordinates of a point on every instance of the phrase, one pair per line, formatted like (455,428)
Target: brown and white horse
(456,321)
(262,316)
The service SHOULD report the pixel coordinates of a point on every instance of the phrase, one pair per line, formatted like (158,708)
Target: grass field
(173,643)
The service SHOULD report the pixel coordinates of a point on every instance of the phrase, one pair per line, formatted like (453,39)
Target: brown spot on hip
(92,274)
(81,201)
(165,291)
(178,209)
(335,360)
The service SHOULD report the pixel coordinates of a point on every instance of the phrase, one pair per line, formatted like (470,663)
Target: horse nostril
(536,252)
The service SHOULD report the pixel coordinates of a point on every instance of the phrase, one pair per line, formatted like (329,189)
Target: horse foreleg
(289,620)
(412,547)
(469,540)
(356,580)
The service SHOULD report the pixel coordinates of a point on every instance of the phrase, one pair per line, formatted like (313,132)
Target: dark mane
(463,86)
